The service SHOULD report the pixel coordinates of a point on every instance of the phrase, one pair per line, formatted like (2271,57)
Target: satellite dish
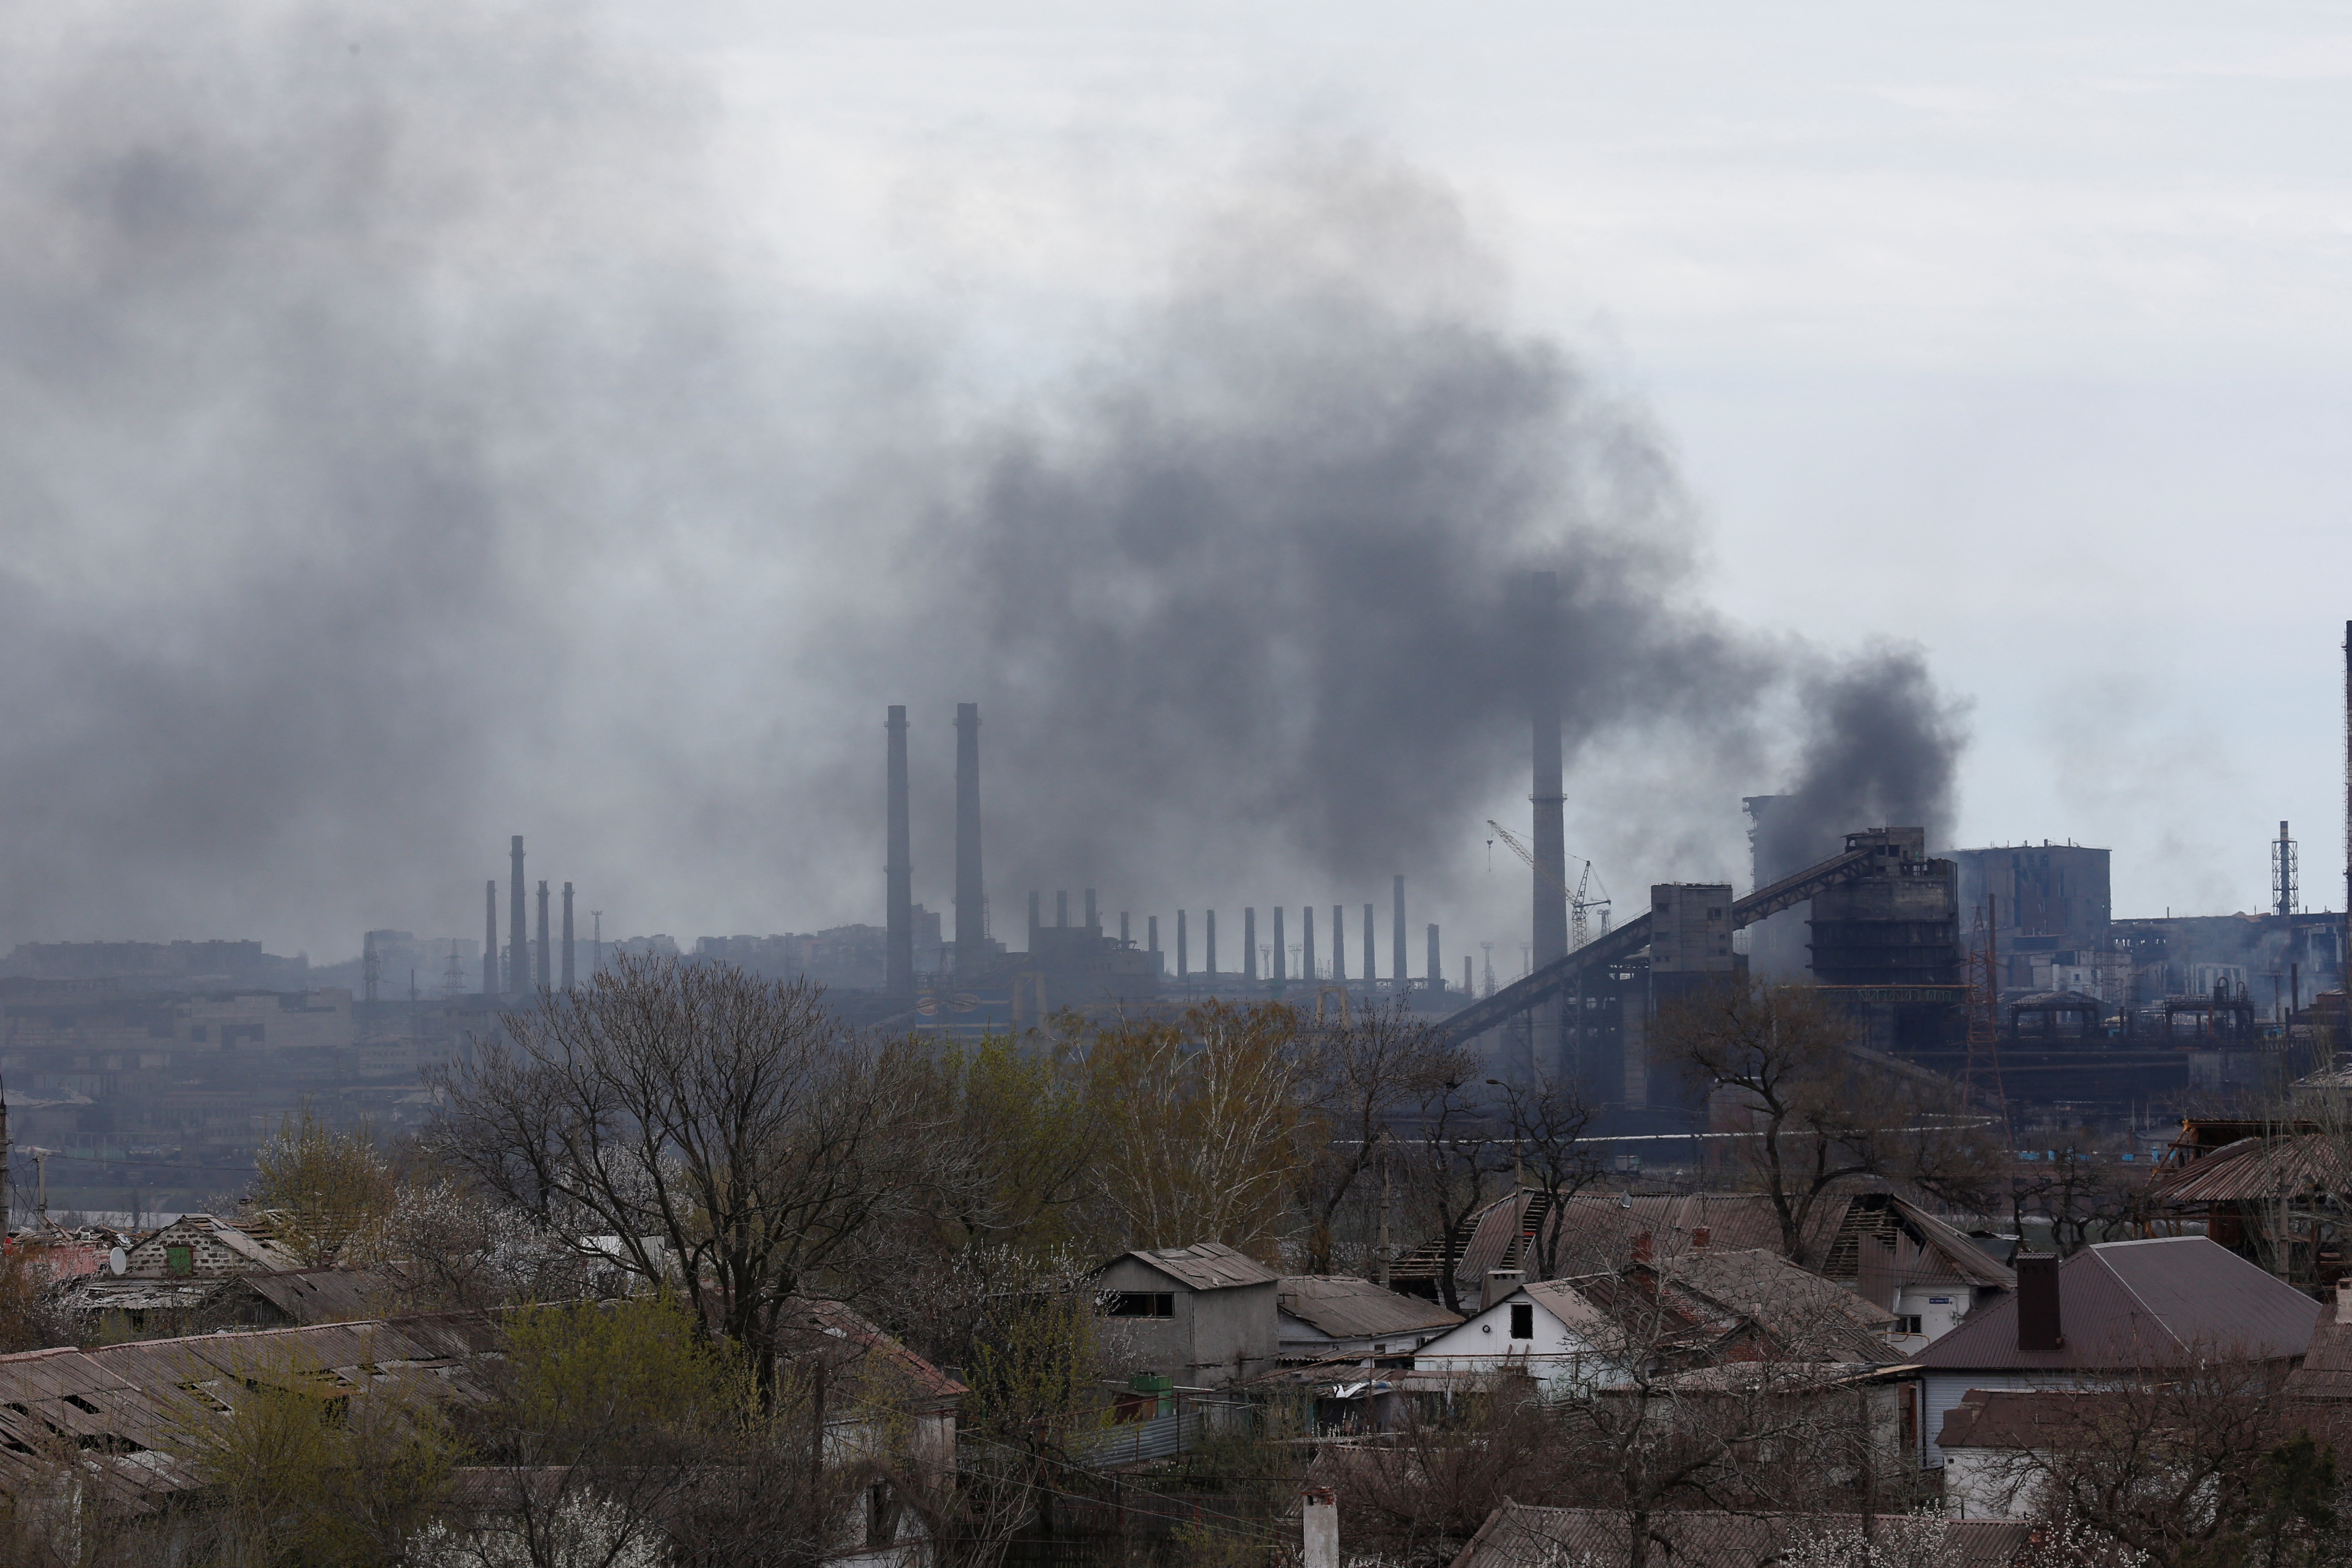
(118,1260)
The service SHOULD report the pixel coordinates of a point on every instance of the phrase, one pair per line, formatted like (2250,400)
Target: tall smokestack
(542,954)
(1062,910)
(518,944)
(567,936)
(1249,942)
(1306,970)
(1209,941)
(1280,972)
(970,912)
(1033,919)
(490,937)
(1094,920)
(1152,937)
(1184,949)
(1436,969)
(1548,931)
(1369,928)
(1338,941)
(1122,928)
(898,872)
(1396,940)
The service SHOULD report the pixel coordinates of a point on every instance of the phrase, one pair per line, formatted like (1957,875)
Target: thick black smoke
(1881,755)
(400,446)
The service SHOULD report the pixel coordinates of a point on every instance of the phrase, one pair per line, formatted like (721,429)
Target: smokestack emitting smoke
(898,871)
(970,917)
(271,304)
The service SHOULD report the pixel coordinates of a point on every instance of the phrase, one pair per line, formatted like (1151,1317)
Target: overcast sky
(2015,332)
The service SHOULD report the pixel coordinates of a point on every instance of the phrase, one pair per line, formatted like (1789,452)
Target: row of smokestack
(520,951)
(1434,976)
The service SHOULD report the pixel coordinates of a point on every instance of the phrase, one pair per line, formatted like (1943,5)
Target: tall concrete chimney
(1094,920)
(1249,942)
(1183,948)
(490,937)
(1209,941)
(899,867)
(1152,937)
(1368,929)
(1396,942)
(1306,970)
(1122,928)
(1548,929)
(567,936)
(517,942)
(1436,969)
(970,908)
(1036,921)
(539,968)
(1338,941)
(1280,971)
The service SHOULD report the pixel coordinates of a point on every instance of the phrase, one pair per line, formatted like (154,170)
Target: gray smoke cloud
(400,446)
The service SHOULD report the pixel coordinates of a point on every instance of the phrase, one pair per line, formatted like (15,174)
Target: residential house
(2117,1309)
(1518,1536)
(1202,1315)
(199,1247)
(1994,1441)
(108,1310)
(1882,1247)
(1578,1336)
(1326,1316)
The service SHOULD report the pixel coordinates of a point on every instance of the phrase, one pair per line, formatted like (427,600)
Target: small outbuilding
(1203,1314)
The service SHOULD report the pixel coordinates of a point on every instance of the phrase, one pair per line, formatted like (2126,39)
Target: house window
(1140,1304)
(180,1261)
(1907,1323)
(1523,1321)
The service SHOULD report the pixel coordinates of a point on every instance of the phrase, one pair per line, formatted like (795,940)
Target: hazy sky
(426,425)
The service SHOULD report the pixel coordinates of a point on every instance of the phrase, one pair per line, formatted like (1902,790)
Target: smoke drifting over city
(403,447)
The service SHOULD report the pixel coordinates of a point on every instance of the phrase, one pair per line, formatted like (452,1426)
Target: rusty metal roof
(2128,1304)
(2254,1168)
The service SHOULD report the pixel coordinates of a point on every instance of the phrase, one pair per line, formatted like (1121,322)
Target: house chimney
(1643,1247)
(1699,1235)
(2039,1326)
(1318,1514)
(1501,1282)
(2344,1300)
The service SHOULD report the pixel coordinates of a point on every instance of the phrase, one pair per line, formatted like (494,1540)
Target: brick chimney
(2039,1324)
(1643,1247)
(1698,1236)
(1501,1282)
(2344,1300)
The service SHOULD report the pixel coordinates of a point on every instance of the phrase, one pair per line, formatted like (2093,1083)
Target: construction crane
(1579,902)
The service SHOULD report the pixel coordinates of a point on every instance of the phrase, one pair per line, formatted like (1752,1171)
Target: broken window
(1140,1304)
(1523,1321)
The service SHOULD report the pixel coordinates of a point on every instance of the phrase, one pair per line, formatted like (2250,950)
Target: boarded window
(180,1261)
(1140,1304)
(1523,1321)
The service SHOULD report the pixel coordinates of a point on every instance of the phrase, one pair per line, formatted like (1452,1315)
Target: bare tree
(724,1134)
(1359,1075)
(1547,1121)
(1454,1162)
(1822,1114)
(2082,1193)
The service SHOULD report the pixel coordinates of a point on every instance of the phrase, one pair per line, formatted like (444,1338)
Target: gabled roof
(1205,1266)
(1347,1308)
(1594,1233)
(2253,1168)
(2020,1418)
(2127,1304)
(852,1339)
(1518,1536)
(1802,1313)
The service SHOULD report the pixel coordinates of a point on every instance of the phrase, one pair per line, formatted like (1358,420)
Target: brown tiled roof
(2124,1304)
(1516,1536)
(1347,1308)
(875,1350)
(1207,1265)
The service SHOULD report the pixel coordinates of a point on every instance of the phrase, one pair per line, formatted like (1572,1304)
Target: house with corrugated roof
(1324,1316)
(2119,1309)
(1202,1315)
(1518,1536)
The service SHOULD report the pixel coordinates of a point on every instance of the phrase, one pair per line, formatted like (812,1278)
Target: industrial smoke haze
(405,445)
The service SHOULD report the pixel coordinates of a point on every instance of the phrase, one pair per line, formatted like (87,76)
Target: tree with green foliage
(331,1184)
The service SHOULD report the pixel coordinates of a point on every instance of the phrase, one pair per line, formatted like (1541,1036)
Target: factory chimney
(1338,941)
(567,936)
(1249,942)
(518,940)
(2282,874)
(1279,972)
(1436,970)
(1209,941)
(541,967)
(970,907)
(1369,945)
(1396,940)
(490,937)
(1548,931)
(1306,970)
(1184,949)
(898,872)
(1094,915)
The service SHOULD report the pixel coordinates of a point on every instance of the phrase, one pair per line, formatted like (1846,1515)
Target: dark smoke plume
(402,448)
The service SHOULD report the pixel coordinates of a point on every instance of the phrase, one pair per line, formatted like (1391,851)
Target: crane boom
(1578,903)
